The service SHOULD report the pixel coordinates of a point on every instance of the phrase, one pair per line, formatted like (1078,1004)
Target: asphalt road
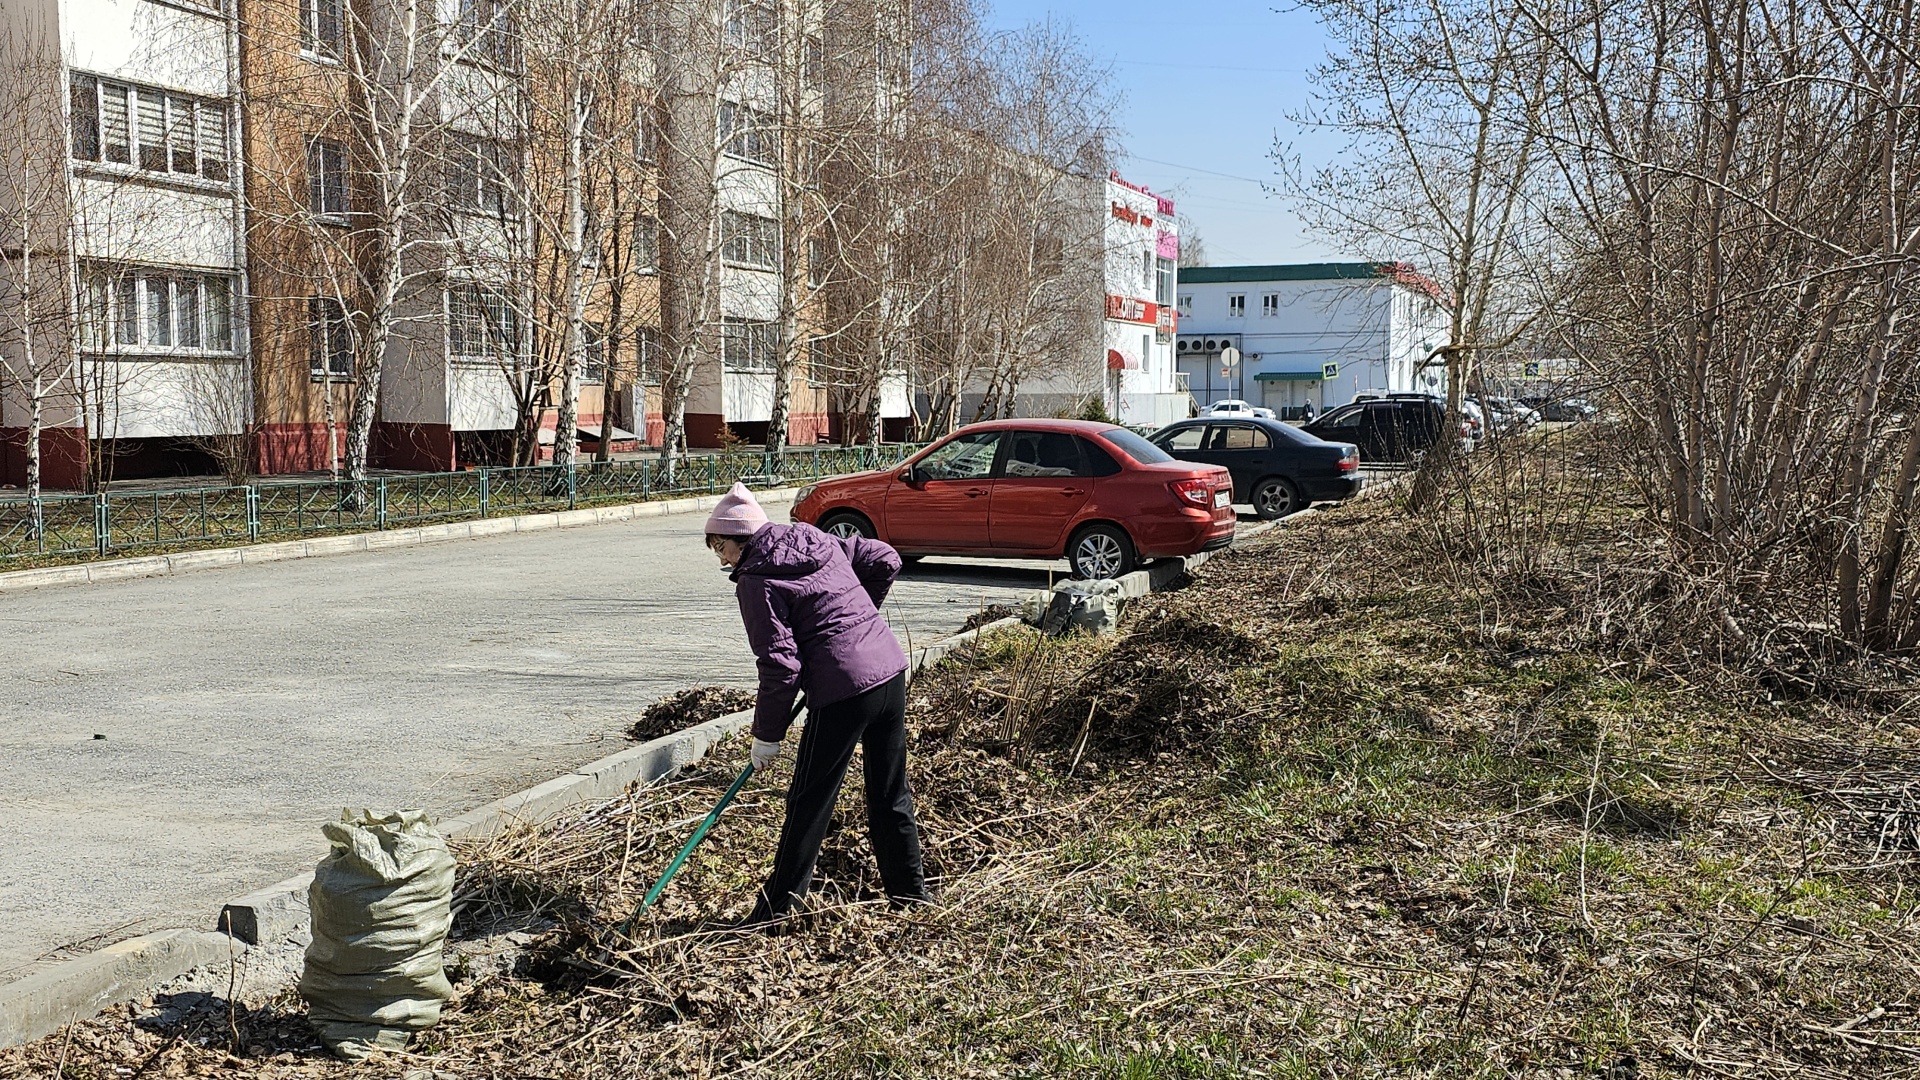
(171,742)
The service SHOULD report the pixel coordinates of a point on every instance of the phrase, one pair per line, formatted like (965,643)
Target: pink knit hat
(738,514)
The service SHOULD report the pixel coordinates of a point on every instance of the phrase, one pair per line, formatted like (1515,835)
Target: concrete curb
(280,910)
(41,1004)
(212,558)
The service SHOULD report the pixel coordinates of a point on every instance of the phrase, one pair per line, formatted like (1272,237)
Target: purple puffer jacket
(811,604)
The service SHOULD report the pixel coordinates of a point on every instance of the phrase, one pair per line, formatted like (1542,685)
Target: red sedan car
(1034,489)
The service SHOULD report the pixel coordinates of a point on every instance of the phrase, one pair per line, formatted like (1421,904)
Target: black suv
(1397,428)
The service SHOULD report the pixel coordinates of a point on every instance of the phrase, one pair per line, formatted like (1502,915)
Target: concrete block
(567,518)
(489,526)
(202,560)
(657,758)
(265,553)
(335,545)
(533,804)
(392,538)
(42,1003)
(51,575)
(122,569)
(270,914)
(939,650)
(530,522)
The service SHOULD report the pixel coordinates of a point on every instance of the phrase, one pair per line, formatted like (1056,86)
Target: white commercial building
(1308,333)
(1142,249)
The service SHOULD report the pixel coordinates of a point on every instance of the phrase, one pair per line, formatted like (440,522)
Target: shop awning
(1119,361)
(1315,375)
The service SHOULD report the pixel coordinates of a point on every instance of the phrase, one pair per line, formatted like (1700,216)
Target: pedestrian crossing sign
(1329,371)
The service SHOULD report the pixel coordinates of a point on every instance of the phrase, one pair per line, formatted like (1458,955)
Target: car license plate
(1220,499)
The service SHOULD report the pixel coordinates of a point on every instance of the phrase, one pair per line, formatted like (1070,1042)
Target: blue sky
(1208,85)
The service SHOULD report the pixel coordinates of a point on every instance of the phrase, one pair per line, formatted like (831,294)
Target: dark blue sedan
(1276,467)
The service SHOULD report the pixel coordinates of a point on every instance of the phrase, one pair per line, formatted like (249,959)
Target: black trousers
(876,721)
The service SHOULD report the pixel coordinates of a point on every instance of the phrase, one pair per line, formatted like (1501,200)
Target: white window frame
(486,30)
(749,240)
(1270,305)
(329,341)
(323,29)
(479,176)
(484,316)
(181,124)
(645,248)
(749,345)
(749,134)
(157,311)
(1236,305)
(328,195)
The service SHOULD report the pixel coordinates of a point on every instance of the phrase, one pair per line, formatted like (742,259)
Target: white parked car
(1231,407)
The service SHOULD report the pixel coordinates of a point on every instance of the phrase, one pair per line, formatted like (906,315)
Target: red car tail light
(1350,461)
(1198,492)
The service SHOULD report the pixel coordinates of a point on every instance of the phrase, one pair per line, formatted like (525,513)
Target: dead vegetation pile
(1336,809)
(685,708)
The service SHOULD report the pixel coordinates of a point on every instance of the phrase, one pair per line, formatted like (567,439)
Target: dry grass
(1345,806)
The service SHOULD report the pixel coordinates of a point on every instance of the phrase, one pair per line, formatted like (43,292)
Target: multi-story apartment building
(234,240)
(125,330)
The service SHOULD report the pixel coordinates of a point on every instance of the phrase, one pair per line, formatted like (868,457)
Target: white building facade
(1309,334)
(1142,250)
(121,177)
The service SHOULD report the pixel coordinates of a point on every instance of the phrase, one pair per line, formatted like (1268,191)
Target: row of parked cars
(1108,498)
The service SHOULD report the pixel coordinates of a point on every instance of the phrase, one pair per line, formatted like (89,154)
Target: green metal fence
(127,521)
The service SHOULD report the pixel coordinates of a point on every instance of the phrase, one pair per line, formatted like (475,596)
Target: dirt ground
(1346,805)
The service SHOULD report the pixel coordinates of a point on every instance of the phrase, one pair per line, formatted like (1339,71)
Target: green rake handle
(699,834)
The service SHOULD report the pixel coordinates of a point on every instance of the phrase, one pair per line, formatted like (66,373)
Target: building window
(482,323)
(486,26)
(813,61)
(750,27)
(478,170)
(1237,306)
(329,340)
(123,124)
(816,354)
(650,354)
(156,310)
(749,344)
(1269,305)
(748,133)
(1186,304)
(643,136)
(646,245)
(1163,282)
(327,178)
(1146,353)
(819,267)
(322,28)
(750,240)
(593,368)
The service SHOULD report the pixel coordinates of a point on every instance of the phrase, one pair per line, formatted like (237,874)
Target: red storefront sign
(1133,309)
(1131,216)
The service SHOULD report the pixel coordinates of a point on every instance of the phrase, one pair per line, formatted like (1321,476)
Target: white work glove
(763,754)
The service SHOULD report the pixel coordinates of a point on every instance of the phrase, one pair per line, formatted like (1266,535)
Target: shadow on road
(1037,575)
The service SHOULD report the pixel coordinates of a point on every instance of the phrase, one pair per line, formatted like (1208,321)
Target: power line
(1195,168)
(1213,67)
